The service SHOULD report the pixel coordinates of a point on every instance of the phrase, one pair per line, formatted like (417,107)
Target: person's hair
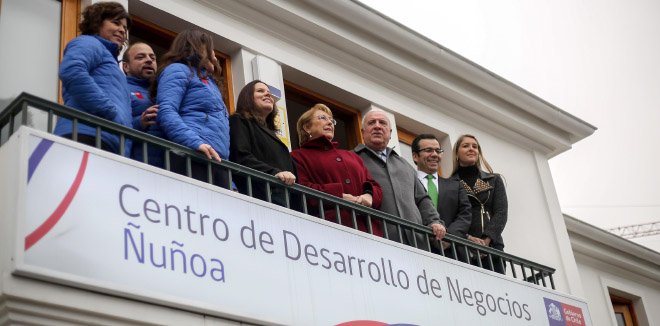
(481,160)
(415,143)
(364,117)
(94,15)
(246,108)
(187,48)
(125,57)
(305,118)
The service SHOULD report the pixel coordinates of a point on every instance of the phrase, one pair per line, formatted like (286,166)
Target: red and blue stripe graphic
(33,162)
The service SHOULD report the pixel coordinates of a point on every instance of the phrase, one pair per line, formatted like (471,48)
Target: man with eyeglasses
(403,194)
(448,196)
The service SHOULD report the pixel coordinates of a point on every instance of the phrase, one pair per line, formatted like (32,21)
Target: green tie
(433,191)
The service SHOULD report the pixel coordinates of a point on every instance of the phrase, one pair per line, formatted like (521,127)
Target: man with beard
(403,195)
(139,64)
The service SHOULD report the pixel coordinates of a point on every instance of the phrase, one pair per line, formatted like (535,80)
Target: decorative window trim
(625,307)
(71,13)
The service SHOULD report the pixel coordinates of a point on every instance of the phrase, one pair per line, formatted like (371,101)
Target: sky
(596,59)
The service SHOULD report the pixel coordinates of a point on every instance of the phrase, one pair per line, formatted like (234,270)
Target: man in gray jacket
(403,195)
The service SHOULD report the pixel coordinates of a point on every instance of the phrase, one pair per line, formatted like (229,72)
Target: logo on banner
(33,162)
(370,323)
(561,314)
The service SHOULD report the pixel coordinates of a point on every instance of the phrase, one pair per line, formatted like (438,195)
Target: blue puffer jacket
(140,101)
(191,111)
(93,82)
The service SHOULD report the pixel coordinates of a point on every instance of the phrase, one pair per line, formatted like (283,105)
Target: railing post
(11,124)
(49,128)
(552,281)
(414,238)
(122,145)
(24,113)
(513,269)
(370,227)
(97,138)
(304,203)
(209,172)
(168,165)
(74,129)
(145,151)
(354,219)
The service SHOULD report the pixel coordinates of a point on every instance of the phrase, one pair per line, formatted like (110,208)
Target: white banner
(94,220)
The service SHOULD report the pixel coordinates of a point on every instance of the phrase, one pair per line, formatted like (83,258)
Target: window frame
(163,34)
(70,18)
(625,307)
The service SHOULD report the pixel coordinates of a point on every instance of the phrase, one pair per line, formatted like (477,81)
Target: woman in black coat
(254,143)
(487,195)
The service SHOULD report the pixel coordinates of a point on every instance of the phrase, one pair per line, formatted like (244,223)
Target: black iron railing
(16,114)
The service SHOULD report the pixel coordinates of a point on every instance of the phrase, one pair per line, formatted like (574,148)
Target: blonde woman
(487,195)
(324,167)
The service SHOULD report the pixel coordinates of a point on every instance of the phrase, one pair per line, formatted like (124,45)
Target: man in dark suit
(448,196)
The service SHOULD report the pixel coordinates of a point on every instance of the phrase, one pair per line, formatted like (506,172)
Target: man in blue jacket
(139,64)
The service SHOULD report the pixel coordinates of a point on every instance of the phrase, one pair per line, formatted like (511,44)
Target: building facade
(340,53)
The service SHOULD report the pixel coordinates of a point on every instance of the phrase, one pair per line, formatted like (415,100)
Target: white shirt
(422,177)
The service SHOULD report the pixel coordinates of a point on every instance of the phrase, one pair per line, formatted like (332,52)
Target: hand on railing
(439,230)
(209,151)
(286,177)
(364,200)
(476,240)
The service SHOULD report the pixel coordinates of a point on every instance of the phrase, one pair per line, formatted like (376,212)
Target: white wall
(29,60)
(608,265)
(601,278)
(530,232)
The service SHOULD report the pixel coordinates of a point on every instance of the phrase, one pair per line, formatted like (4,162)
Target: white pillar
(246,67)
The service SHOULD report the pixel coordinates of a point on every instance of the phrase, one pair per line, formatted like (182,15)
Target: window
(623,311)
(299,100)
(404,148)
(157,37)
(160,39)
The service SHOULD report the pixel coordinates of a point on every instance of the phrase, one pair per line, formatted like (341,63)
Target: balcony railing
(16,114)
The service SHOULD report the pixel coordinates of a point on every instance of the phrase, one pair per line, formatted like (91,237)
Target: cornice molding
(599,244)
(363,41)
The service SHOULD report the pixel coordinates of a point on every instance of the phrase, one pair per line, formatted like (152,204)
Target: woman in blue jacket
(91,79)
(191,111)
